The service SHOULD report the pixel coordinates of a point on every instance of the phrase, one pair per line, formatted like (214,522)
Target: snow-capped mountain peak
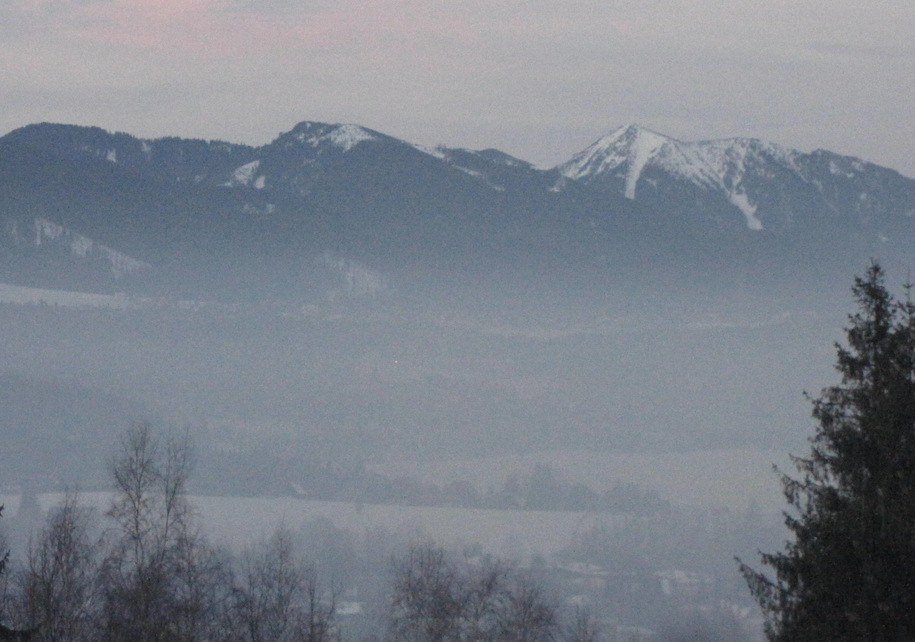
(731,170)
(342,136)
(730,186)
(629,149)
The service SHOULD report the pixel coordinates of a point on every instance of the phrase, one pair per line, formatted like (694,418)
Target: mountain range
(339,293)
(345,208)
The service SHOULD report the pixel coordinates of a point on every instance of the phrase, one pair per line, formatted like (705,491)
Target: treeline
(543,489)
(147,572)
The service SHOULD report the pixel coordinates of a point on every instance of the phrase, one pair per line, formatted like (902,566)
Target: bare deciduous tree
(427,601)
(202,589)
(277,596)
(583,628)
(58,584)
(526,615)
(436,599)
(158,568)
(484,598)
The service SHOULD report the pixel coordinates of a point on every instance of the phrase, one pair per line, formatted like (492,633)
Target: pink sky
(538,78)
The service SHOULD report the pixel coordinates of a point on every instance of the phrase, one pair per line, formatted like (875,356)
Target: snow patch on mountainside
(22,295)
(79,246)
(479,176)
(496,156)
(435,152)
(740,200)
(356,279)
(448,156)
(601,157)
(631,148)
(245,174)
(643,150)
(689,164)
(344,137)
(348,136)
(19,295)
(835,170)
(728,163)
(717,166)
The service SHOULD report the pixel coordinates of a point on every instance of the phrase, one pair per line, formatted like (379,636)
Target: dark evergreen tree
(849,573)
(5,556)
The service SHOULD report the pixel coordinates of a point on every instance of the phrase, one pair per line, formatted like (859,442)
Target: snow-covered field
(510,533)
(20,295)
(237,521)
(717,478)
(731,478)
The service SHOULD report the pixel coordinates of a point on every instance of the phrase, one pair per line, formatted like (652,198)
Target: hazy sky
(540,78)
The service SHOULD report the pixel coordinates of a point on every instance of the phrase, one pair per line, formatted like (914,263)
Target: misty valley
(623,459)
(394,370)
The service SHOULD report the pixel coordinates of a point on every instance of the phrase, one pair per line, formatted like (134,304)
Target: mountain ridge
(634,202)
(620,160)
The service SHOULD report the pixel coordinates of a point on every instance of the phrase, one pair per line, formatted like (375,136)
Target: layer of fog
(653,396)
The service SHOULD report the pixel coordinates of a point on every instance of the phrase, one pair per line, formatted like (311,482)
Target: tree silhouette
(849,573)
(6,555)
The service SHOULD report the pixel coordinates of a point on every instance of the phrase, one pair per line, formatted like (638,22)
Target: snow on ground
(643,149)
(708,479)
(602,156)
(238,521)
(510,533)
(81,246)
(712,479)
(357,279)
(245,174)
(348,136)
(20,295)
(343,136)
(719,165)
(435,152)
(740,200)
